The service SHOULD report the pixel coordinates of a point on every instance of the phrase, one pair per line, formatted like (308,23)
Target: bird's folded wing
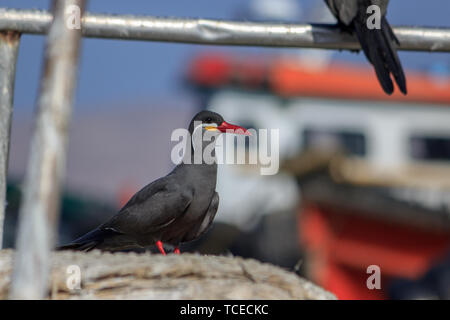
(155,206)
(209,217)
(344,10)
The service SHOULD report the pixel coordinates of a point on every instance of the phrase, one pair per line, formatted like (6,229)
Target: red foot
(160,247)
(177,250)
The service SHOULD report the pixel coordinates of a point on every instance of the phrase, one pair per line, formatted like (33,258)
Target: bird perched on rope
(177,208)
(378,44)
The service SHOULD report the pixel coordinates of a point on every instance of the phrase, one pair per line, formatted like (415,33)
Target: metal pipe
(39,212)
(205,31)
(9,48)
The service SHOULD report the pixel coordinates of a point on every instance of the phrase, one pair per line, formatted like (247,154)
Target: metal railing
(218,32)
(39,213)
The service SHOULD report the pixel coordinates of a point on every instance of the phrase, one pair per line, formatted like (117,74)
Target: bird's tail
(89,241)
(378,46)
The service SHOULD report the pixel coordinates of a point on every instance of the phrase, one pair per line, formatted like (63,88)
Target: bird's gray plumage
(378,44)
(208,218)
(177,208)
(346,10)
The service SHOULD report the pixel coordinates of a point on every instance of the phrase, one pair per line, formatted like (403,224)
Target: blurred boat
(373,171)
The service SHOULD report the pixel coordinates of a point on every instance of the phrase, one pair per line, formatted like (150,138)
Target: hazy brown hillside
(109,148)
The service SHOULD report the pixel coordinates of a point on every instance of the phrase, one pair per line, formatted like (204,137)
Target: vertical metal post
(9,48)
(39,212)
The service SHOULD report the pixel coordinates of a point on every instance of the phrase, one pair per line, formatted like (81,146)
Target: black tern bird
(378,44)
(177,208)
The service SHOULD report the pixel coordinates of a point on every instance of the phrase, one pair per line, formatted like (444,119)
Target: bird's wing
(378,44)
(383,4)
(155,206)
(344,10)
(379,47)
(209,216)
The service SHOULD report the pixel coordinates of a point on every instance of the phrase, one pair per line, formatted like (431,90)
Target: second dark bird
(378,44)
(177,208)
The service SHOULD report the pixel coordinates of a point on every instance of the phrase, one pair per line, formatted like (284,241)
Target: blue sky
(128,72)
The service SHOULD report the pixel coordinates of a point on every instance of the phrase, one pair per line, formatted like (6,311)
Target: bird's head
(214,122)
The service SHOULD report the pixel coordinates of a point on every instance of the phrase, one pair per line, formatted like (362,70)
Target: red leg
(177,250)
(160,247)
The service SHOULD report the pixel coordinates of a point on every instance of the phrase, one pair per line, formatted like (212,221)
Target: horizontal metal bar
(205,31)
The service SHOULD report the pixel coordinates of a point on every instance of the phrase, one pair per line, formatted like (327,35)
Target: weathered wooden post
(9,48)
(39,212)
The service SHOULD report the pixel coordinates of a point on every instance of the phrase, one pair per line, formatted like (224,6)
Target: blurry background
(365,177)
